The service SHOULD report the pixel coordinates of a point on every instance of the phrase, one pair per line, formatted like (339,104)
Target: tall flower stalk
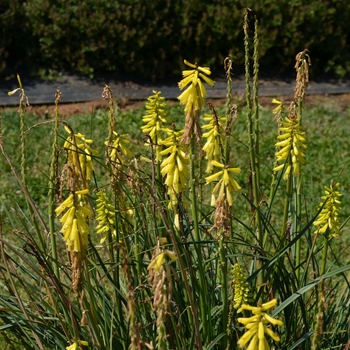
(23,104)
(291,146)
(159,275)
(253,130)
(193,100)
(327,223)
(222,200)
(53,183)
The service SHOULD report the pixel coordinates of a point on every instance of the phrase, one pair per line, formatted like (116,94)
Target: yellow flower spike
(79,154)
(118,151)
(193,98)
(105,216)
(75,230)
(257,326)
(241,288)
(155,119)
(227,183)
(328,221)
(291,143)
(212,148)
(175,168)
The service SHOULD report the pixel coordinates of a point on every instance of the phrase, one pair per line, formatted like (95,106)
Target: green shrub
(150,39)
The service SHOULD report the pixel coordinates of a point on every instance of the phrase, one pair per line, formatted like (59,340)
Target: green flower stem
(253,133)
(256,107)
(298,227)
(92,306)
(286,201)
(23,104)
(228,66)
(116,270)
(108,95)
(52,188)
(298,206)
(324,255)
(180,252)
(224,295)
(23,144)
(202,286)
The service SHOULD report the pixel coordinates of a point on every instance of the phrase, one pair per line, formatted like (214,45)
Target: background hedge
(151,38)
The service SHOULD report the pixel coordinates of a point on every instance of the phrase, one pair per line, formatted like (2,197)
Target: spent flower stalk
(53,183)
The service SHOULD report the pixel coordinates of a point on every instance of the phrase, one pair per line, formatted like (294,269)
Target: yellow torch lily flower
(75,230)
(291,145)
(154,119)
(328,221)
(257,326)
(241,288)
(226,185)
(193,97)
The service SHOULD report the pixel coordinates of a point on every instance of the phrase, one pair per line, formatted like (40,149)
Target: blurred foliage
(151,39)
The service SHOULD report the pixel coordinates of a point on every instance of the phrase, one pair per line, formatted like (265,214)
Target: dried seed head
(222,218)
(160,278)
(77,273)
(303,61)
